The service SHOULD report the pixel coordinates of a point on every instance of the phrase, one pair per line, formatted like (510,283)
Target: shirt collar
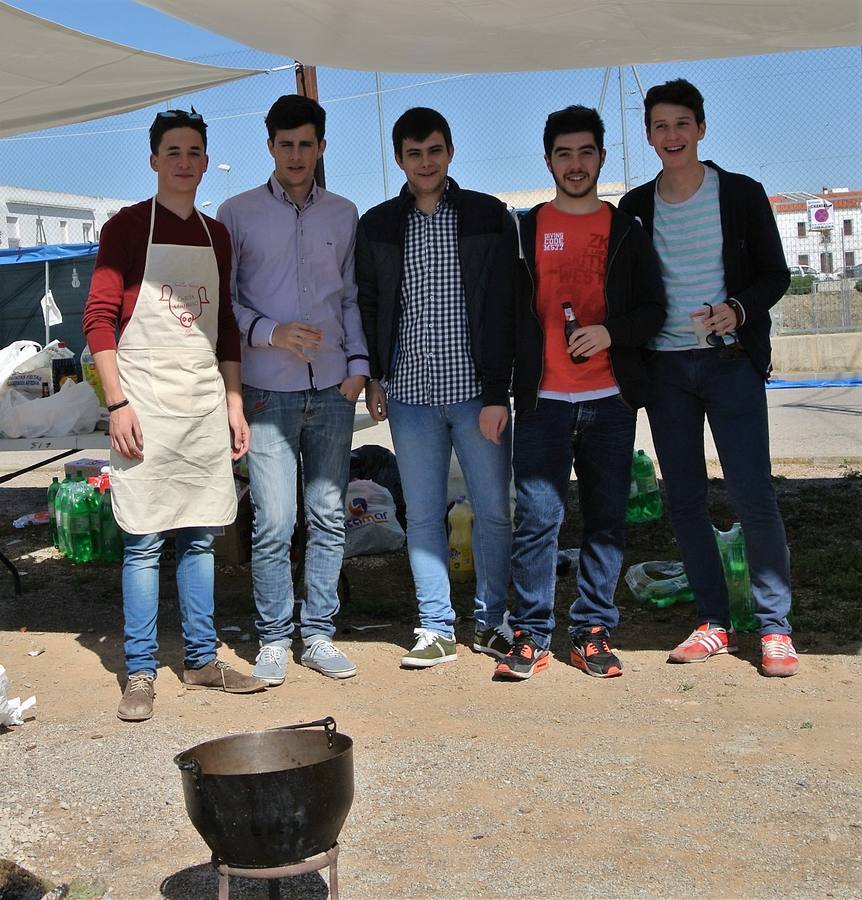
(278,191)
(444,201)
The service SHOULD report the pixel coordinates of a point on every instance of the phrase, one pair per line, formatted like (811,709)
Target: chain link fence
(790,120)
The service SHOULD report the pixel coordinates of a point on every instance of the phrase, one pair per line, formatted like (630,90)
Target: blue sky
(791,120)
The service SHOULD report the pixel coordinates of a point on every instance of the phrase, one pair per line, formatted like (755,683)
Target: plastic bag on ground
(370,522)
(376,463)
(12,710)
(74,409)
(659,583)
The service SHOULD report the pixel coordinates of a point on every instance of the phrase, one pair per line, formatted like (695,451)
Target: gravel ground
(673,781)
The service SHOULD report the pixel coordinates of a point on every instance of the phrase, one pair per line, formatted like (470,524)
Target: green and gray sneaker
(492,641)
(431,648)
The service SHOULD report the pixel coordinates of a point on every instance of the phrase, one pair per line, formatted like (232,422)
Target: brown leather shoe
(137,702)
(219,676)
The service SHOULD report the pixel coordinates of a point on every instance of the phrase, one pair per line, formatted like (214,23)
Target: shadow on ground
(820,517)
(197,882)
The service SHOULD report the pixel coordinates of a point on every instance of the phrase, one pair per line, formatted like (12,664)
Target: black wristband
(115,406)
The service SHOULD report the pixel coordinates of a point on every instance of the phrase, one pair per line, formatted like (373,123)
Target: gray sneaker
(324,657)
(270,664)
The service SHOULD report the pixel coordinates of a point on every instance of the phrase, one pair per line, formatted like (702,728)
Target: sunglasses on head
(180,114)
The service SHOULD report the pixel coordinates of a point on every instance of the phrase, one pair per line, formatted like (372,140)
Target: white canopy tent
(51,75)
(521,35)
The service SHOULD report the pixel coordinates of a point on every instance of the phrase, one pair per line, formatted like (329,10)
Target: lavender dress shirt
(292,264)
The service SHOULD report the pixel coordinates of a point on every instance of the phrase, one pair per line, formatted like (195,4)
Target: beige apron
(169,373)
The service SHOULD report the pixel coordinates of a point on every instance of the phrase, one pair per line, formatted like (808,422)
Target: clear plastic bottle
(80,541)
(461,541)
(731,546)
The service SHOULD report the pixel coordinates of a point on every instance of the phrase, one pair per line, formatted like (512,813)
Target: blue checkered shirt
(433,364)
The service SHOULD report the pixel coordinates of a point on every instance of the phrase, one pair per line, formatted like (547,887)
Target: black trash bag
(376,463)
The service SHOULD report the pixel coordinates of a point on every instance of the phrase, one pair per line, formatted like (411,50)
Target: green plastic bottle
(644,496)
(731,546)
(53,490)
(112,538)
(80,542)
(61,504)
(93,498)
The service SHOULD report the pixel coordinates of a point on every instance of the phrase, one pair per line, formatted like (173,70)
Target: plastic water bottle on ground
(659,583)
(61,502)
(80,539)
(112,539)
(461,541)
(731,546)
(93,498)
(644,496)
(53,490)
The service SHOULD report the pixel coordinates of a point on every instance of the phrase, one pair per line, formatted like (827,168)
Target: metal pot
(269,798)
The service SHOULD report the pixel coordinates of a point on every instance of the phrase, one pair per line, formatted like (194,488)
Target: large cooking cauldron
(269,798)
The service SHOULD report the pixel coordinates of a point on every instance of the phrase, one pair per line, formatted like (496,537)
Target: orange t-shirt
(571,261)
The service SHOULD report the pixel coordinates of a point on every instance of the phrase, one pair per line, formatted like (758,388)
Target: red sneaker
(779,656)
(705,641)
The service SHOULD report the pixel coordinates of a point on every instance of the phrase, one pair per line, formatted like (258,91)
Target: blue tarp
(46,253)
(816,383)
(22,286)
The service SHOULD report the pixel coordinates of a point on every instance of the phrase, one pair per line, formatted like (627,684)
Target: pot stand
(303,867)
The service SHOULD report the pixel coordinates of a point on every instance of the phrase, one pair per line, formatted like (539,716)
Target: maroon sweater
(119,271)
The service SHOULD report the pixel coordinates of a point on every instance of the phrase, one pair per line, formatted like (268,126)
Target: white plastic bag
(16,353)
(74,409)
(12,711)
(370,523)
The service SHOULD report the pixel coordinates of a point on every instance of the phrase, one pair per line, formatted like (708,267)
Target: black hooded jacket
(635,301)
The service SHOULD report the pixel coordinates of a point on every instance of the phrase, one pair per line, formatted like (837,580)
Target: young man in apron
(172,385)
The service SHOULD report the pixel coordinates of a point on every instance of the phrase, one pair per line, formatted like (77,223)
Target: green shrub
(800,284)
(859,285)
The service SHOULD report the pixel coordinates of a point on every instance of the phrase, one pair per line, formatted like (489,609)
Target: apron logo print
(186,305)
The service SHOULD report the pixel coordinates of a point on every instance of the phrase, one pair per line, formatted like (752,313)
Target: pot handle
(328,725)
(189,765)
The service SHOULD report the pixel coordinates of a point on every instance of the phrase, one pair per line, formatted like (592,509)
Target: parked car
(853,272)
(796,271)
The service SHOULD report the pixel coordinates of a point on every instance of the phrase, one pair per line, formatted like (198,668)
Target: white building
(827,250)
(31,217)
(612,191)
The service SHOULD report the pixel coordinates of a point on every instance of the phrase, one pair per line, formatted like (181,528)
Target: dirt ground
(672,781)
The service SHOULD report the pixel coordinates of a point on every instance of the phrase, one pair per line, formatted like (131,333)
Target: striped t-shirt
(687,238)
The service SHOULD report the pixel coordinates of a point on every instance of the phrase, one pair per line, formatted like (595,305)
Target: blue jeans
(423,437)
(688,385)
(316,427)
(141,597)
(598,436)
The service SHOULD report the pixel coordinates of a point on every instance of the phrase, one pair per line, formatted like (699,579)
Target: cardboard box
(91,468)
